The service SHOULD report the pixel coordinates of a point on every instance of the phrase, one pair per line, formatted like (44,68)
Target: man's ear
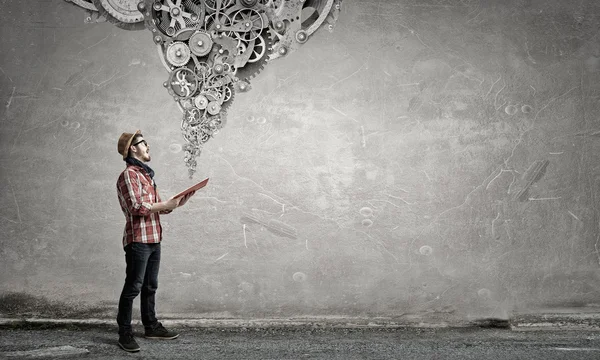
(132,150)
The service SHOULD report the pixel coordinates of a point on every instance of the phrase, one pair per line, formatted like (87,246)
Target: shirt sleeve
(132,191)
(157,196)
(159,200)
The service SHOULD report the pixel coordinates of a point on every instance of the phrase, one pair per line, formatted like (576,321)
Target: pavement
(486,340)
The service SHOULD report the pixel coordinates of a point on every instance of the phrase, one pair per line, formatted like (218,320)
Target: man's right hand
(172,203)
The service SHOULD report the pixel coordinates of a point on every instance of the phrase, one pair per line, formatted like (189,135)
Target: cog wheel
(314,13)
(213,108)
(217,83)
(171,16)
(228,99)
(196,134)
(192,116)
(252,22)
(260,55)
(186,104)
(259,50)
(178,54)
(242,47)
(200,43)
(212,26)
(224,51)
(227,93)
(124,14)
(202,70)
(211,5)
(182,83)
(241,86)
(249,3)
(123,10)
(201,102)
(213,124)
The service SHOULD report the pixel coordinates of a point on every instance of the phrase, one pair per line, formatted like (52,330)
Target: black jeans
(143,261)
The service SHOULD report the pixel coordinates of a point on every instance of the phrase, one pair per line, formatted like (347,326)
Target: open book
(199,185)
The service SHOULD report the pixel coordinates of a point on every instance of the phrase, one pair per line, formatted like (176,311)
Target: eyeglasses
(139,142)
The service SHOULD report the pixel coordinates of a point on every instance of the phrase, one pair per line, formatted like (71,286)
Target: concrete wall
(436,159)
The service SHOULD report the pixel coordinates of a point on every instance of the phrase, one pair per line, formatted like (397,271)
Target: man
(141,206)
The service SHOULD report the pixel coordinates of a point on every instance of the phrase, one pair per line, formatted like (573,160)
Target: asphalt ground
(100,342)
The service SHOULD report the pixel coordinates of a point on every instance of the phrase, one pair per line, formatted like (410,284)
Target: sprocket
(124,14)
(178,53)
(251,69)
(228,100)
(166,18)
(200,43)
(182,83)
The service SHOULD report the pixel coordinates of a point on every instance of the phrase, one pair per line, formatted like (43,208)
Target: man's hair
(133,141)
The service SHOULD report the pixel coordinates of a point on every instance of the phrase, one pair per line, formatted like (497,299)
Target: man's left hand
(186,198)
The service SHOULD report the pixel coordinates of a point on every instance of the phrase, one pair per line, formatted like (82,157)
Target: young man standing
(141,206)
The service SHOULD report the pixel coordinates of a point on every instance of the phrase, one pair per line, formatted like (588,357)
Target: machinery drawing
(212,49)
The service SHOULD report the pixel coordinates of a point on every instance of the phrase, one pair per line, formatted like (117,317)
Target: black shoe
(128,343)
(159,332)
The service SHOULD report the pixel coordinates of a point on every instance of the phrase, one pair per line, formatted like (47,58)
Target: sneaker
(159,332)
(128,343)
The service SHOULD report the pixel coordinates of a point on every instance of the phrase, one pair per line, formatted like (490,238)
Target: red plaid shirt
(136,192)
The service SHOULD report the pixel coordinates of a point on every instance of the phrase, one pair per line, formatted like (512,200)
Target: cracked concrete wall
(428,159)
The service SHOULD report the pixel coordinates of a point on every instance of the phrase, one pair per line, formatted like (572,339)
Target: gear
(178,54)
(228,99)
(211,5)
(242,47)
(201,102)
(213,26)
(213,48)
(227,93)
(212,95)
(258,51)
(192,116)
(182,83)
(124,10)
(287,10)
(217,82)
(166,18)
(260,55)
(227,49)
(186,104)
(250,21)
(202,70)
(241,86)
(200,43)
(249,3)
(321,10)
(213,108)
(196,135)
(124,14)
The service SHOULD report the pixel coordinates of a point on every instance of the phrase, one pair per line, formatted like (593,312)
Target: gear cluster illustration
(212,49)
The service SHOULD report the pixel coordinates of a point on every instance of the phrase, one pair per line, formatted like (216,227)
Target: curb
(290,323)
(556,321)
(519,322)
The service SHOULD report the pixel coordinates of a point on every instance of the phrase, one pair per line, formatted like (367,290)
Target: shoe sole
(162,337)
(128,350)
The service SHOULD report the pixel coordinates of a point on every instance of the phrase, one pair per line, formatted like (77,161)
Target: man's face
(141,149)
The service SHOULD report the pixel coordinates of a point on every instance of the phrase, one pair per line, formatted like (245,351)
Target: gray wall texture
(428,159)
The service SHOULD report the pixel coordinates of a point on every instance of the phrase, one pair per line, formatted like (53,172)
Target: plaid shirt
(136,192)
